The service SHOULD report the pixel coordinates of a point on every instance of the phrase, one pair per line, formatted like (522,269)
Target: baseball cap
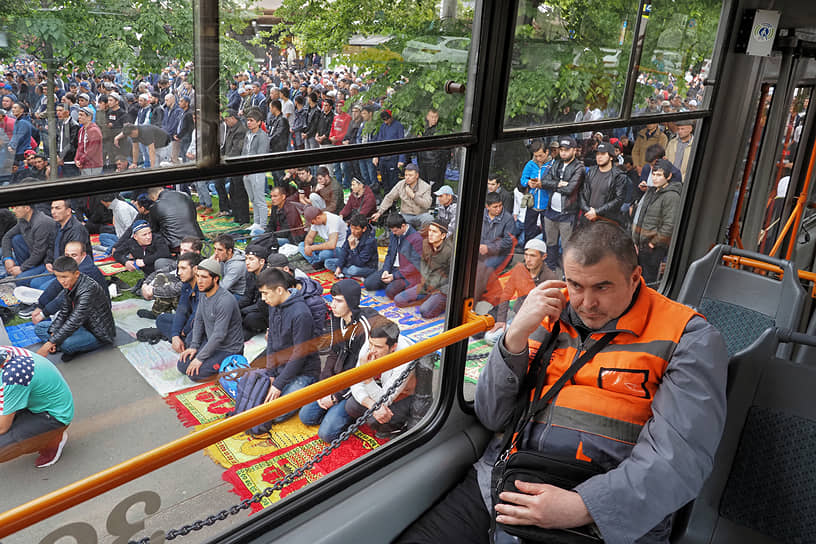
(29,153)
(139,224)
(444,190)
(277,260)
(605,147)
(257,250)
(85,96)
(568,142)
(87,111)
(536,244)
(212,266)
(310,213)
(411,166)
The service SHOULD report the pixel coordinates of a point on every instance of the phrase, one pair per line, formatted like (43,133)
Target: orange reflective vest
(611,396)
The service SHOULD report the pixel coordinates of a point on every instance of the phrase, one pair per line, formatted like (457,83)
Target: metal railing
(82,490)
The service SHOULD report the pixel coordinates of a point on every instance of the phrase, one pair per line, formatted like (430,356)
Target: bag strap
(518,424)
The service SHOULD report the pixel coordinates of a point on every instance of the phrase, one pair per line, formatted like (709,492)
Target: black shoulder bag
(536,467)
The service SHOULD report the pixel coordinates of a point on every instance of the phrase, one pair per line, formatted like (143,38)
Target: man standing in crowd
(646,137)
(678,150)
(433,163)
(256,142)
(603,192)
(84,322)
(415,199)
(564,181)
(217,332)
(88,157)
(494,186)
(390,129)
(235,201)
(67,140)
(36,408)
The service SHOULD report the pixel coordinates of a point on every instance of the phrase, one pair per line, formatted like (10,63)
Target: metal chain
(286,480)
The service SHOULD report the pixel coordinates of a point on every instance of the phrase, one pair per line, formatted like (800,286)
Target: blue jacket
(395,131)
(541,197)
(21,137)
(291,348)
(364,255)
(187,304)
(409,249)
(496,233)
(171,120)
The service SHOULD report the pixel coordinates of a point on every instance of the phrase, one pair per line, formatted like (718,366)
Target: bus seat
(807,354)
(4,338)
(762,486)
(740,303)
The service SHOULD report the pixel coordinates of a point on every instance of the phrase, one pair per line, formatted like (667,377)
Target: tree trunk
(51,113)
(448,9)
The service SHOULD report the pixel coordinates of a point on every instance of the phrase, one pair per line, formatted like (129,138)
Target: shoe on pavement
(49,456)
(25,310)
(68,357)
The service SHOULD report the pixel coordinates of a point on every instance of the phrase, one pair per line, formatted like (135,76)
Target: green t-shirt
(30,381)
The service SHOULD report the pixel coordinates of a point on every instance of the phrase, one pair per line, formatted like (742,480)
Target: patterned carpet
(252,464)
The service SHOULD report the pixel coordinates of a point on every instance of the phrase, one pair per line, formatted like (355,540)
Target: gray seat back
(764,479)
(4,338)
(740,303)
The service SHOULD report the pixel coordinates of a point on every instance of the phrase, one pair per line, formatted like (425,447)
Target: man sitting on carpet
(84,322)
(27,244)
(254,311)
(358,256)
(310,288)
(292,361)
(392,417)
(164,285)
(217,332)
(349,328)
(232,259)
(178,326)
(330,228)
(37,407)
(400,269)
(50,300)
(143,251)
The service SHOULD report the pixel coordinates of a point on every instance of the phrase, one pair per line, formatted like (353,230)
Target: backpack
(251,392)
(230,373)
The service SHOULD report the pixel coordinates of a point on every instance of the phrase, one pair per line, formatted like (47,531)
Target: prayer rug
(477,354)
(325,278)
(157,365)
(202,403)
(22,335)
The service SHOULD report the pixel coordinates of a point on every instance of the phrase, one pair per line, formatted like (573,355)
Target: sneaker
(387,430)
(146,314)
(68,357)
(25,310)
(49,456)
(137,289)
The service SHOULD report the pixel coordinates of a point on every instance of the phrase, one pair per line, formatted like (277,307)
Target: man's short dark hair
(65,264)
(492,175)
(255,113)
(323,171)
(313,97)
(492,198)
(195,242)
(593,241)
(627,159)
(382,327)
(358,220)
(275,104)
(394,221)
(299,99)
(535,145)
(128,128)
(107,197)
(192,258)
(285,92)
(654,151)
(225,240)
(272,278)
(154,191)
(665,166)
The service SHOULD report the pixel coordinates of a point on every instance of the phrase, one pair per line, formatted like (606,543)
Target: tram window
(569,64)
(385,78)
(524,229)
(394,272)
(676,57)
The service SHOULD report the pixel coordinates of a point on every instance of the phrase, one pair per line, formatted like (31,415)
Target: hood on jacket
(350,290)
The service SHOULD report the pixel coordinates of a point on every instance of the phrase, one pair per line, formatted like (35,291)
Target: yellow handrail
(747,261)
(80,491)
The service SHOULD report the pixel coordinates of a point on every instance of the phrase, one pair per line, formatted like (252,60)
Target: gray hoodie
(234,278)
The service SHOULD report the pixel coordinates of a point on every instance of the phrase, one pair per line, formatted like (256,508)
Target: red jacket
(339,128)
(89,147)
(8,125)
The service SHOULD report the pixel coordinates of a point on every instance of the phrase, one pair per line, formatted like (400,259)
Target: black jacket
(38,234)
(574,174)
(234,140)
(607,199)
(435,158)
(86,305)
(173,216)
(73,231)
(312,120)
(286,222)
(130,249)
(345,348)
(278,128)
(324,125)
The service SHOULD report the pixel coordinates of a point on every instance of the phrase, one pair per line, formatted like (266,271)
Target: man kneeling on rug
(217,331)
(393,416)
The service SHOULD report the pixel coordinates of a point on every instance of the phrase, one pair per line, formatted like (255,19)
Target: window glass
(328,75)
(332,279)
(676,58)
(112,64)
(532,206)
(569,62)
